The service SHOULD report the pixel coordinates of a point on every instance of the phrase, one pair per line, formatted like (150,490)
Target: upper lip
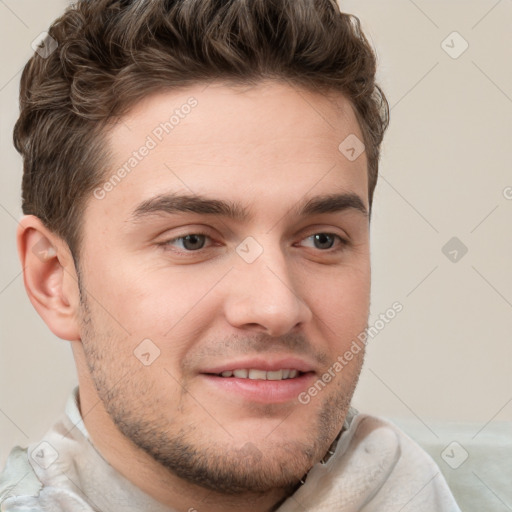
(264,364)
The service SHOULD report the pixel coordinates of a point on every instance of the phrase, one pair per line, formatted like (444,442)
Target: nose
(264,296)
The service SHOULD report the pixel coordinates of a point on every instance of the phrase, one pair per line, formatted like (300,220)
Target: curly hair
(109,54)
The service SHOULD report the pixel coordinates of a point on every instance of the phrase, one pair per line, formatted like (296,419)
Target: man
(198,182)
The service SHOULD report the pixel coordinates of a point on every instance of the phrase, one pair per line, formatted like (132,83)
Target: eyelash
(343,243)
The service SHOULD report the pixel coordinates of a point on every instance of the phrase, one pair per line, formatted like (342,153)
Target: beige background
(445,173)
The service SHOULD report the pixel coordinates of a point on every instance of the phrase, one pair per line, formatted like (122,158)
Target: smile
(254,374)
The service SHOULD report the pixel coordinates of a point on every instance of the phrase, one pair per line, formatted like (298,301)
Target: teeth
(257,375)
(254,374)
(278,375)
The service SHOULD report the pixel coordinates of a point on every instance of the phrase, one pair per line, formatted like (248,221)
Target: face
(223,272)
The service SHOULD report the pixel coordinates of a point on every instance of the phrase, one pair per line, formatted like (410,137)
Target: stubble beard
(215,466)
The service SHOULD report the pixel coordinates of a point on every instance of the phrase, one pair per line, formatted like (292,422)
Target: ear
(50,277)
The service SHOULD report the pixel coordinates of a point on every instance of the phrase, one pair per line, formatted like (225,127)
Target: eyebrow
(178,203)
(333,203)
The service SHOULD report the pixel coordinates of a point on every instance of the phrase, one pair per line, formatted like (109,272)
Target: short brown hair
(112,53)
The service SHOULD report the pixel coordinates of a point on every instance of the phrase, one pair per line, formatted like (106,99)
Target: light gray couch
(475,459)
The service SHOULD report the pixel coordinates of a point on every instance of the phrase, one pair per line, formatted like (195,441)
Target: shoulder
(385,439)
(18,477)
(412,479)
(375,467)
(22,490)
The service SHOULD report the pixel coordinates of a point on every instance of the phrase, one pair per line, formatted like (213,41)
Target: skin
(271,148)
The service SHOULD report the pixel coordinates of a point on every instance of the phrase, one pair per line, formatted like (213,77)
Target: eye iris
(193,242)
(323,241)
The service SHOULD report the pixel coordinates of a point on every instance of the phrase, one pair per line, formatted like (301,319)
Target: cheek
(342,301)
(174,308)
(145,295)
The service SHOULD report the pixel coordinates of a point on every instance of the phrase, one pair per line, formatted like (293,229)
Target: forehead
(263,146)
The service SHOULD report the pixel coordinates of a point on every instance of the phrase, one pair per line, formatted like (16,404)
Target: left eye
(323,240)
(192,242)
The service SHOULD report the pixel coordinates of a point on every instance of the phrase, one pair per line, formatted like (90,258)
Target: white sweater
(375,468)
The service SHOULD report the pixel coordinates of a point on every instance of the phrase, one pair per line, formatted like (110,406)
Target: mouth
(261,381)
(255,374)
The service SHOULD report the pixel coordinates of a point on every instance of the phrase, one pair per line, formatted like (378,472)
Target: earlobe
(49,276)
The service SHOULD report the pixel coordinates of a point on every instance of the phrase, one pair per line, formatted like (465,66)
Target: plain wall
(445,170)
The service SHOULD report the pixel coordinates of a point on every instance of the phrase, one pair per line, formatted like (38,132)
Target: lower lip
(262,391)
